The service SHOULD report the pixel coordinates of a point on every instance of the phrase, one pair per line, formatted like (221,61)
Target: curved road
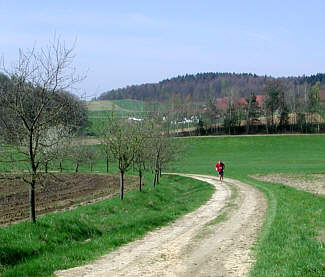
(214,240)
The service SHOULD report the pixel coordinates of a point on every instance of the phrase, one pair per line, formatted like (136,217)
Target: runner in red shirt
(220,167)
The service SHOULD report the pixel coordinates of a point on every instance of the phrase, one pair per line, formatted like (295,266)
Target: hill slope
(202,85)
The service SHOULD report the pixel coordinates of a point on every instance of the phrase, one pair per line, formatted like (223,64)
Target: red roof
(259,99)
(222,103)
(322,95)
(241,101)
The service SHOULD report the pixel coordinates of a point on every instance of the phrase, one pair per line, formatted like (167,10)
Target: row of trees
(39,120)
(139,146)
(143,145)
(279,111)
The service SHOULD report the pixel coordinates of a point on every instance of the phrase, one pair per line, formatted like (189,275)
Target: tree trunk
(154,180)
(271,122)
(32,213)
(46,167)
(247,119)
(157,176)
(266,123)
(140,180)
(60,165)
(106,165)
(121,184)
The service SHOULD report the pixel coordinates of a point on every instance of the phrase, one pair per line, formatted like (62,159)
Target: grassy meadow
(245,155)
(103,105)
(126,105)
(292,241)
(99,110)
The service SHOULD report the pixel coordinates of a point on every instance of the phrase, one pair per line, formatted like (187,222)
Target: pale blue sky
(121,43)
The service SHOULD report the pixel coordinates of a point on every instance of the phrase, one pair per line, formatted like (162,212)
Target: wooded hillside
(204,85)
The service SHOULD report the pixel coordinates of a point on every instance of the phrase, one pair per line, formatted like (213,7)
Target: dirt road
(214,240)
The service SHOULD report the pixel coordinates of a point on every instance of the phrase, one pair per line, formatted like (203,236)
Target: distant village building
(222,103)
(134,119)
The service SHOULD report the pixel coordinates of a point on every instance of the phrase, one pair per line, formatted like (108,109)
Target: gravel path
(194,245)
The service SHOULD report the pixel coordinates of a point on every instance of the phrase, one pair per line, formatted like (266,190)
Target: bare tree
(91,155)
(79,153)
(313,106)
(274,89)
(106,152)
(62,153)
(33,104)
(56,138)
(142,151)
(252,111)
(104,138)
(122,143)
(160,149)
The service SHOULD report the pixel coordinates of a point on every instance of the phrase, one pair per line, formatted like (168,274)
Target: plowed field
(57,192)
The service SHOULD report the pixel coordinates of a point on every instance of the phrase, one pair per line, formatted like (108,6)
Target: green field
(99,110)
(126,108)
(133,105)
(254,154)
(103,105)
(287,245)
(125,105)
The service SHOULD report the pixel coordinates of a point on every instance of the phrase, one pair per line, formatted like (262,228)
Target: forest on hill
(202,86)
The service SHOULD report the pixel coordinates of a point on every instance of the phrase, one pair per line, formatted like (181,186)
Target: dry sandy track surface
(194,245)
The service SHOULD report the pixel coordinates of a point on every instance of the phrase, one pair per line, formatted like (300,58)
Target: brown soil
(313,183)
(194,245)
(57,192)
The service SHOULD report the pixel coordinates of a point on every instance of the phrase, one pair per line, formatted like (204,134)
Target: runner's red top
(220,167)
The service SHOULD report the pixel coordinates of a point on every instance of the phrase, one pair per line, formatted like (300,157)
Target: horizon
(133,43)
(249,73)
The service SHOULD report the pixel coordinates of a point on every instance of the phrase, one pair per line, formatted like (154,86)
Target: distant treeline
(204,85)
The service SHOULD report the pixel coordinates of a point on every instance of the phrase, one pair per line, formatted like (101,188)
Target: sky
(121,43)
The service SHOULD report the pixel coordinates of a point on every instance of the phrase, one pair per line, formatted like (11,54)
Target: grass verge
(288,244)
(67,239)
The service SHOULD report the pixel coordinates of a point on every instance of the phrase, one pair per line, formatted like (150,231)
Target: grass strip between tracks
(228,208)
(67,239)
